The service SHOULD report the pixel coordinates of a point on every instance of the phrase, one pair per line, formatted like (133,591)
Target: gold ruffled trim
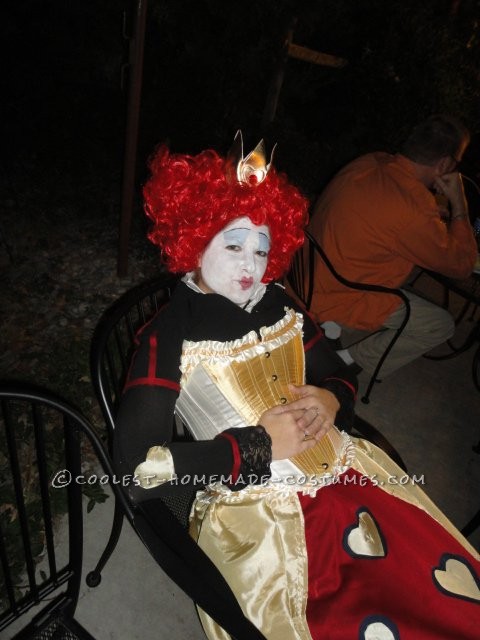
(342,455)
(333,454)
(233,383)
(244,348)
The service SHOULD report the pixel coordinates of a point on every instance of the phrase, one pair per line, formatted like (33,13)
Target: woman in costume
(304,522)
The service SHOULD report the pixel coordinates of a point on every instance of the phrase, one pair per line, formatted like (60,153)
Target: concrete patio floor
(429,410)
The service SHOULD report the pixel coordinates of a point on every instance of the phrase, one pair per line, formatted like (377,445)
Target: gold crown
(251,170)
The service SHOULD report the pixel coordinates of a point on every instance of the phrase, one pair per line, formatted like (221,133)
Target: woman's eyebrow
(264,241)
(239,234)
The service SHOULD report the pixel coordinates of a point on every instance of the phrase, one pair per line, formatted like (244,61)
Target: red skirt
(380,568)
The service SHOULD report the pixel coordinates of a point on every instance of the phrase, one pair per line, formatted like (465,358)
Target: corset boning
(230,384)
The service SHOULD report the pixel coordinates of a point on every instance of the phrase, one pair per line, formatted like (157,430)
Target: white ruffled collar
(258,294)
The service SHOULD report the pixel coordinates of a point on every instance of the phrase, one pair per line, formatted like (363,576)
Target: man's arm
(447,248)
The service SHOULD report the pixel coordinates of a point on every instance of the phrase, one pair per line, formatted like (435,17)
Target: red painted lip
(246,283)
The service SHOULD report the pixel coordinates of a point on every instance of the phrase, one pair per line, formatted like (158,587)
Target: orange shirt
(376,221)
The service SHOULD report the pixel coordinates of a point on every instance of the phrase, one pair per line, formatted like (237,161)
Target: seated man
(376,221)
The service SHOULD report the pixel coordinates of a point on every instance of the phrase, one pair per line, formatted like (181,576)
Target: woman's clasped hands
(297,426)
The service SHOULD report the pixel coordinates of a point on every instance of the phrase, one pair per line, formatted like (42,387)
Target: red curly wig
(189,201)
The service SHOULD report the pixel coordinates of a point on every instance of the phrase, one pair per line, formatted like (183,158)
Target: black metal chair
(301,278)
(469,290)
(34,425)
(111,350)
(36,441)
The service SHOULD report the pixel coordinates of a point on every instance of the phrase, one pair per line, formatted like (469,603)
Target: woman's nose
(249,263)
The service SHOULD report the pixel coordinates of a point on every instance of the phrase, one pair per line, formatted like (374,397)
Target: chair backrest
(112,346)
(304,265)
(46,423)
(302,275)
(36,443)
(113,340)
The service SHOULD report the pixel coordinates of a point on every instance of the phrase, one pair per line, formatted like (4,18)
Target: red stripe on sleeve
(308,345)
(237,461)
(152,356)
(154,382)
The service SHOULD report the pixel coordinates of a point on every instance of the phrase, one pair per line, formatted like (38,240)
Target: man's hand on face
(451,185)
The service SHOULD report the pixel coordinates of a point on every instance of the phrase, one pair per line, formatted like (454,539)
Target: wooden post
(277,79)
(291,50)
(131,134)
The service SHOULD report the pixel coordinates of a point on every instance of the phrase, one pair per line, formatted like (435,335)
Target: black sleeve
(325,369)
(146,414)
(145,419)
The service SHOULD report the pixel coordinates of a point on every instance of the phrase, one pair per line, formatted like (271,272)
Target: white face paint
(235,260)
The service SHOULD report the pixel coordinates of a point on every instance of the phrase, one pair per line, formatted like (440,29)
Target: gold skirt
(256,538)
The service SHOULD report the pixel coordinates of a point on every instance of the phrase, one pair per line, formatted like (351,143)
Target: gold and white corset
(230,384)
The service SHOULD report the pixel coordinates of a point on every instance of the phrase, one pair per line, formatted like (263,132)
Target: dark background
(208,66)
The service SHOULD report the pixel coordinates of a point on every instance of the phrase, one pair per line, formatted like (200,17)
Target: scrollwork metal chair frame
(111,348)
(301,278)
(36,571)
(170,545)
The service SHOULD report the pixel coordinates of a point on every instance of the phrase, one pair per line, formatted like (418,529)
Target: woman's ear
(197,275)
